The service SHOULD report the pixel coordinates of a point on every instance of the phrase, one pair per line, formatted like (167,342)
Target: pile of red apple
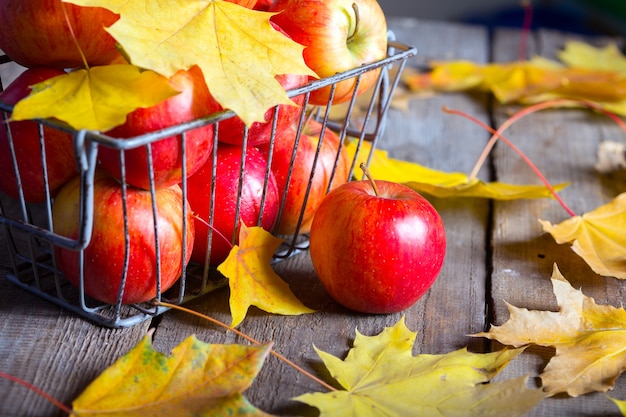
(122,262)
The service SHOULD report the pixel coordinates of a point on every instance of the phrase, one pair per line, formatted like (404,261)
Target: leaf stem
(38,391)
(526,26)
(74,38)
(532,166)
(248,338)
(217,232)
(507,123)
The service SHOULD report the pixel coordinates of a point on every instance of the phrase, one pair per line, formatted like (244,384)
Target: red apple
(264,5)
(105,254)
(226,188)
(193,102)
(60,161)
(36,33)
(377,252)
(232,130)
(293,186)
(339,35)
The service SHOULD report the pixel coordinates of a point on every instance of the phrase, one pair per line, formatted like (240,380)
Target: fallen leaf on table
(583,55)
(253,281)
(238,50)
(198,379)
(440,183)
(599,237)
(586,73)
(589,340)
(99,98)
(381,377)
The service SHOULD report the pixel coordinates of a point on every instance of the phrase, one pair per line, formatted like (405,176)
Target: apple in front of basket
(108,251)
(377,246)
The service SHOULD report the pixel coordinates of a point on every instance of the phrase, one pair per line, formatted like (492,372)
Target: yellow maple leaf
(583,55)
(589,340)
(253,281)
(536,80)
(381,377)
(238,50)
(599,237)
(198,379)
(97,98)
(440,183)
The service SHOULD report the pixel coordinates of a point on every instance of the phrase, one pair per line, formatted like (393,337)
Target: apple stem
(370,177)
(533,167)
(357,22)
(38,391)
(248,338)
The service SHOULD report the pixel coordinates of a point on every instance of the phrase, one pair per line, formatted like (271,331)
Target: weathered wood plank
(563,144)
(453,308)
(52,349)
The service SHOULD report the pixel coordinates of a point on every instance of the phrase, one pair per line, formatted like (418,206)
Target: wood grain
(563,144)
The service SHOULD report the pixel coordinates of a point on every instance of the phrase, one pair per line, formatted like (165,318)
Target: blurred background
(578,16)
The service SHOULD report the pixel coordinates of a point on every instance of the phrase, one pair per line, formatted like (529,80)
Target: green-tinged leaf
(443,184)
(381,377)
(253,281)
(99,98)
(198,379)
(599,237)
(239,51)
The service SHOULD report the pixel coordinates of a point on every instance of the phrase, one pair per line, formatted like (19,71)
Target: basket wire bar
(31,239)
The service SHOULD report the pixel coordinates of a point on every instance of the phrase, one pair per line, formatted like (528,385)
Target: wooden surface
(496,253)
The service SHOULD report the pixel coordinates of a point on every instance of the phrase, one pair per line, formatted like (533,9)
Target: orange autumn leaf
(237,49)
(97,98)
(197,379)
(440,183)
(381,377)
(589,340)
(253,281)
(599,237)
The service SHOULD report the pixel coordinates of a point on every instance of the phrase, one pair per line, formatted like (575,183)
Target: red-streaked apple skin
(60,159)
(334,42)
(35,33)
(301,173)
(194,101)
(377,254)
(227,184)
(104,256)
(231,130)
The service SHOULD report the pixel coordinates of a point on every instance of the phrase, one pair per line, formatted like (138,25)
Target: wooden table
(496,253)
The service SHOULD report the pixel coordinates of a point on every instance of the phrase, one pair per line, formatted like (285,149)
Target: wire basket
(31,240)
